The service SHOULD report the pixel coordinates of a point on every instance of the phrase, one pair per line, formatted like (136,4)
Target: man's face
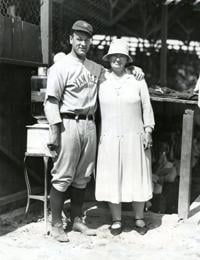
(80,42)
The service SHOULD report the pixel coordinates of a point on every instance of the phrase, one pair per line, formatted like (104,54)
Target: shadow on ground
(12,220)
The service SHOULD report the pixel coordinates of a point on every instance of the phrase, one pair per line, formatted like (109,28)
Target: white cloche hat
(118,46)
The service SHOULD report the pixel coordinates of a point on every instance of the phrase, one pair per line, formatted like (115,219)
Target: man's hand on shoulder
(137,72)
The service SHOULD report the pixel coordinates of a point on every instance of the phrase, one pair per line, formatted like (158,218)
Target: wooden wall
(14,115)
(20,55)
(19,40)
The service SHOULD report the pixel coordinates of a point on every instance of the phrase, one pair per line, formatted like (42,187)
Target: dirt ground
(167,238)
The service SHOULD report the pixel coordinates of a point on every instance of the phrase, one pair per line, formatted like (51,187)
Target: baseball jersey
(73,83)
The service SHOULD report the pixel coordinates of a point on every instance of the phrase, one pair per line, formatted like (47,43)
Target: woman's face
(118,62)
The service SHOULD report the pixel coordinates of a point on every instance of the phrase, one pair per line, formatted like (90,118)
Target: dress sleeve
(148,115)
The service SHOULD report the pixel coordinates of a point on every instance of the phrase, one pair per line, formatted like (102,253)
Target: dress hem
(127,200)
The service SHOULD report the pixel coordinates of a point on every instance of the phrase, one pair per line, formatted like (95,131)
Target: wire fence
(183,56)
(25,10)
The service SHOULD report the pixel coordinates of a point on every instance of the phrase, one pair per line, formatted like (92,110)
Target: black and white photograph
(99,129)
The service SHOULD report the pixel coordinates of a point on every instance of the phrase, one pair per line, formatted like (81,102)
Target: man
(70,106)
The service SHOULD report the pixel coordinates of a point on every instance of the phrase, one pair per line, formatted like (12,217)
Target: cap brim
(80,30)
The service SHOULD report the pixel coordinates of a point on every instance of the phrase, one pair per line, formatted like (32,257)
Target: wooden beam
(121,14)
(163,56)
(98,16)
(175,100)
(97,5)
(187,31)
(185,168)
(113,3)
(46,30)
(21,195)
(172,16)
(90,15)
(21,62)
(126,31)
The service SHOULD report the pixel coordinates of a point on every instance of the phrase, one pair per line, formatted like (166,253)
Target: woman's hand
(147,140)
(54,137)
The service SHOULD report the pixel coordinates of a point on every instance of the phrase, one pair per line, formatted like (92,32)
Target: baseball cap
(83,26)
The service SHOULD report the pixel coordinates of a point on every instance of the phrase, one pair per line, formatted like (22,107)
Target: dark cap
(82,26)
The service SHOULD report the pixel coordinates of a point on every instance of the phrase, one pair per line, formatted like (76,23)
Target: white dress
(123,166)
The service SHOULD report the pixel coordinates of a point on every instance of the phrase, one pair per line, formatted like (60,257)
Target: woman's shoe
(116,227)
(140,226)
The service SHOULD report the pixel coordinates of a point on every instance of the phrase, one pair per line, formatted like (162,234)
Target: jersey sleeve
(55,82)
(52,111)
(102,76)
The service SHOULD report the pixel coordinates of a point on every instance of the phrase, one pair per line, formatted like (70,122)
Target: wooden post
(45,160)
(185,168)
(46,30)
(163,56)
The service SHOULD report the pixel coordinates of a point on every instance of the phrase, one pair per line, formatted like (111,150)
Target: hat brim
(107,56)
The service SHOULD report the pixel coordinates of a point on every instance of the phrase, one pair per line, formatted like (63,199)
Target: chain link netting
(66,12)
(26,10)
(145,52)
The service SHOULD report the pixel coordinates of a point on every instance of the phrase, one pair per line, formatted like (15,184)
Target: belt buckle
(76,117)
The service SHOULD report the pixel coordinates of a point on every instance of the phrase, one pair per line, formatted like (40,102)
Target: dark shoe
(58,233)
(79,226)
(116,227)
(140,226)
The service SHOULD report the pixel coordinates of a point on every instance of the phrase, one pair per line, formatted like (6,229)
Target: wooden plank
(18,196)
(185,168)
(46,30)
(163,57)
(7,37)
(19,62)
(121,14)
(174,100)
(17,39)
(31,43)
(1,34)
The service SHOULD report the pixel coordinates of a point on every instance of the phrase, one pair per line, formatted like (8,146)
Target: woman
(124,156)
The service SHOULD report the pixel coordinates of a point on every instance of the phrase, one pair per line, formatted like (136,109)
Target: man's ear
(70,39)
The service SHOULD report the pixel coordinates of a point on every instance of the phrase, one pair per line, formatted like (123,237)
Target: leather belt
(77,116)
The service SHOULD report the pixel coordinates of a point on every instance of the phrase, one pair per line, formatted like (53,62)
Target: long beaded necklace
(118,81)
